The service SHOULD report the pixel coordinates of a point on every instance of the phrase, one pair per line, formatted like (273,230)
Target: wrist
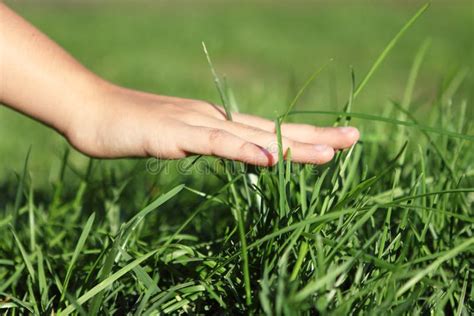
(88,113)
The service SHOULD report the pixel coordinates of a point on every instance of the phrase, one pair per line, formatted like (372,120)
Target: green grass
(387,227)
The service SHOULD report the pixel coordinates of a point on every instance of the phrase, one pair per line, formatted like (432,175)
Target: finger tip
(324,153)
(350,131)
(351,136)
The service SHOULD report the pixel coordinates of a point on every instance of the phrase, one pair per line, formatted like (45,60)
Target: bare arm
(40,79)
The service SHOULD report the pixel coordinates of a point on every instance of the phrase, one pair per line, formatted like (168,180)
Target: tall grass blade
(80,244)
(24,255)
(220,87)
(388,48)
(106,283)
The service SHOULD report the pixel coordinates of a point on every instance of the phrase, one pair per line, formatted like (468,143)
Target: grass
(387,227)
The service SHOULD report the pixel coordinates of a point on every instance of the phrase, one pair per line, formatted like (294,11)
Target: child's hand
(41,80)
(124,123)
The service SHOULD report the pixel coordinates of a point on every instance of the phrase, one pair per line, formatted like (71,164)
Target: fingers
(300,152)
(255,121)
(217,142)
(336,137)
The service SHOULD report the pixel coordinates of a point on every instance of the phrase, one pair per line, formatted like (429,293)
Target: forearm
(39,78)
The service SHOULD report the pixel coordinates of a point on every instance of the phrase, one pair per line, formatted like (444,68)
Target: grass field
(387,227)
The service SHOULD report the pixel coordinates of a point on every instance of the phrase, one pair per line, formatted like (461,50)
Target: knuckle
(214,110)
(314,129)
(215,135)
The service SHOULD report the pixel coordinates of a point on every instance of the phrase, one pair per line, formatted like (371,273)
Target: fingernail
(348,130)
(321,148)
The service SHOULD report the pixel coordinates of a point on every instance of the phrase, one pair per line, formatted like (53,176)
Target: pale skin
(101,119)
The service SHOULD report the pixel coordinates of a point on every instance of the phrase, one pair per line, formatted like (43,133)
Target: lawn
(387,227)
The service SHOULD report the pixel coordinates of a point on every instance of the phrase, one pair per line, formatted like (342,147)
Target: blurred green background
(266,49)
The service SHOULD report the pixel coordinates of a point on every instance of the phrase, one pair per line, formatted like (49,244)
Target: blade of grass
(220,87)
(463,295)
(80,244)
(388,48)
(24,254)
(243,241)
(31,219)
(283,205)
(42,284)
(239,212)
(21,185)
(105,283)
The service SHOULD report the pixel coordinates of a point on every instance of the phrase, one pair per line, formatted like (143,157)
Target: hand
(122,123)
(107,121)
